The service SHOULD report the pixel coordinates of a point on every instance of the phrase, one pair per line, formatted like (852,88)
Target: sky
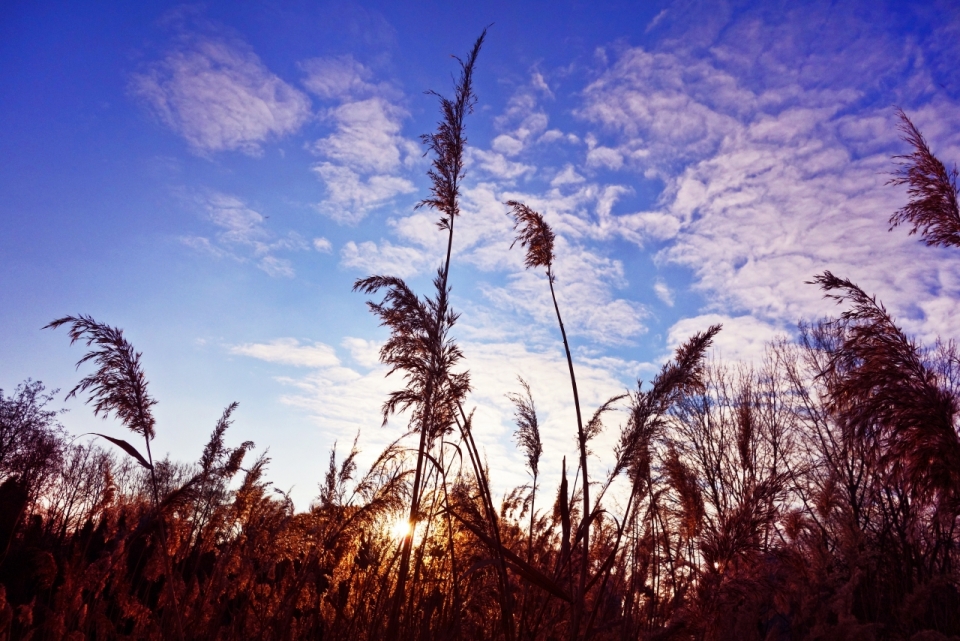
(212,178)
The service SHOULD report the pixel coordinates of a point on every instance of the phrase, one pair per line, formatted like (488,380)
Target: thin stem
(581,436)
(454,575)
(487,498)
(424,428)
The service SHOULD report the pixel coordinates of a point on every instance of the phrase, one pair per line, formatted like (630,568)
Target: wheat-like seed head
(534,234)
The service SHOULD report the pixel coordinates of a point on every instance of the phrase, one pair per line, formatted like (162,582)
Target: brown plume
(932,189)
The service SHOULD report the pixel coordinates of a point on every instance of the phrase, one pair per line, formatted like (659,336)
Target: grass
(814,496)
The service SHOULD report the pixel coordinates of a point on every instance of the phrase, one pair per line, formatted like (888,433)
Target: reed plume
(119,386)
(535,235)
(932,189)
(528,437)
(880,383)
(420,344)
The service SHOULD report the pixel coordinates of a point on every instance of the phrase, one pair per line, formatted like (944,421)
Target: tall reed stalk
(536,236)
(420,345)
(120,386)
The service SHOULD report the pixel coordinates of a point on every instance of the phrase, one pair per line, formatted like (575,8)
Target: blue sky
(212,178)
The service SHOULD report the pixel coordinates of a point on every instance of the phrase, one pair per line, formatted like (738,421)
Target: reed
(813,496)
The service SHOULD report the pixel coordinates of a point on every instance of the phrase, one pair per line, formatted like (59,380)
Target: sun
(400,529)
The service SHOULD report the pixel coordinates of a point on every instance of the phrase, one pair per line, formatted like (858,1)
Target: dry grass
(816,496)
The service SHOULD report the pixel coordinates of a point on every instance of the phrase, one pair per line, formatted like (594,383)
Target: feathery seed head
(119,384)
(528,427)
(933,209)
(534,234)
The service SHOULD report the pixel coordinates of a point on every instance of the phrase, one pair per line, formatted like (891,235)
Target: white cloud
(351,196)
(523,123)
(538,82)
(289,351)
(365,156)
(567,176)
(243,235)
(201,244)
(367,136)
(770,179)
(585,286)
(656,20)
(507,145)
(743,338)
(523,118)
(220,97)
(276,267)
(240,223)
(554,135)
(336,78)
(322,245)
(388,259)
(664,108)
(497,165)
(663,292)
(365,352)
(604,157)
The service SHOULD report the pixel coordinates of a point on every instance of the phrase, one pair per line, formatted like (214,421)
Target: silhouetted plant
(528,438)
(31,438)
(535,235)
(119,386)
(420,344)
(932,209)
(881,385)
(814,496)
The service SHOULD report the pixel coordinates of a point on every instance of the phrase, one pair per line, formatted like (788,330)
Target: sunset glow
(400,529)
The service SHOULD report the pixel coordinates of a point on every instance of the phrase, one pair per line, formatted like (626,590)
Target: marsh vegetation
(813,495)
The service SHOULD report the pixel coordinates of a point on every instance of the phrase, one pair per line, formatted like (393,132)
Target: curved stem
(582,439)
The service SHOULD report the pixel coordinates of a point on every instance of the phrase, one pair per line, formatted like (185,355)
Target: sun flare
(400,529)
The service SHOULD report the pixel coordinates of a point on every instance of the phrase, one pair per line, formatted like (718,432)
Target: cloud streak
(243,236)
(220,97)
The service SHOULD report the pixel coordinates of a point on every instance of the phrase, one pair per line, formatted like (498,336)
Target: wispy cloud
(586,286)
(743,338)
(656,20)
(219,96)
(337,77)
(367,136)
(351,196)
(774,170)
(243,236)
(663,292)
(385,258)
(289,351)
(365,154)
(666,110)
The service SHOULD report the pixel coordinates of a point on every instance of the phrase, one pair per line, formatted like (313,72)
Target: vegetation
(814,496)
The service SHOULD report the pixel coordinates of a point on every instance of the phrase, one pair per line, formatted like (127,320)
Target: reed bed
(813,496)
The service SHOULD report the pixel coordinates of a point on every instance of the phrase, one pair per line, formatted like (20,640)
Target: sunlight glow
(400,529)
